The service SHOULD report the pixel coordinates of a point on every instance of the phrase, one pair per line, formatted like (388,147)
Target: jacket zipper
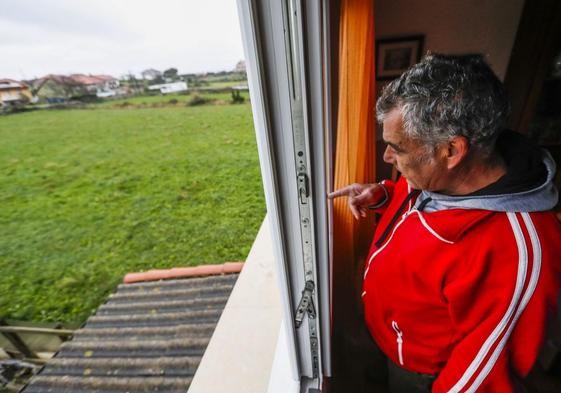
(399,334)
(403,217)
(396,216)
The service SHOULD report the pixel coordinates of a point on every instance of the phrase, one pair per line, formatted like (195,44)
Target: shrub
(237,98)
(198,100)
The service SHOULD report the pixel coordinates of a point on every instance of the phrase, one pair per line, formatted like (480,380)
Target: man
(464,266)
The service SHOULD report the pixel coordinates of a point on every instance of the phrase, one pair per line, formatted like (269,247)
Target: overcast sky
(39,37)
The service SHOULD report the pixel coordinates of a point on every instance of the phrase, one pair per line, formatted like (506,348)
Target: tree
(170,73)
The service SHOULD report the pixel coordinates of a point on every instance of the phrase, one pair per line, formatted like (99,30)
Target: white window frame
(287,59)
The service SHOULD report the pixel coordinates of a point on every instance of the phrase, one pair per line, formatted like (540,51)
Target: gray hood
(543,197)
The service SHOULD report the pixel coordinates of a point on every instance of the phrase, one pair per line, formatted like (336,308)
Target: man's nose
(389,156)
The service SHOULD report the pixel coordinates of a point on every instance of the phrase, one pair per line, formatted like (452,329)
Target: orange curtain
(354,162)
(355,144)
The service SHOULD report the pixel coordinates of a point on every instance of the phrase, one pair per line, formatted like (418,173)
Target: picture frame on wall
(395,55)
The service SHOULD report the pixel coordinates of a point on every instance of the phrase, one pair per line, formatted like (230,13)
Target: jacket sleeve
(485,301)
(388,188)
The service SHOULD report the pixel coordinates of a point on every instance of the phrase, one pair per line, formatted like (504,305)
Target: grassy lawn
(89,195)
(159,99)
(220,85)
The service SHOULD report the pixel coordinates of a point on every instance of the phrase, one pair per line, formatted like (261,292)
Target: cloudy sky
(39,37)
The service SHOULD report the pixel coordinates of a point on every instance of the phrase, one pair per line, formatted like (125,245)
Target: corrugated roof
(148,337)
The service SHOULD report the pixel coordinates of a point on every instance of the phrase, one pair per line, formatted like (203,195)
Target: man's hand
(360,197)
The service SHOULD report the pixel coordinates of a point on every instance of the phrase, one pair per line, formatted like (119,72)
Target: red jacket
(461,293)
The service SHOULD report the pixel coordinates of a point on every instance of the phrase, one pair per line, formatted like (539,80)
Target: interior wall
(460,26)
(487,27)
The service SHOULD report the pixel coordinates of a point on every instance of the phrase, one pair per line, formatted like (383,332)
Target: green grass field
(89,195)
(166,100)
(223,84)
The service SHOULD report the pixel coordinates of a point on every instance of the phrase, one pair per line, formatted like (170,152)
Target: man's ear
(456,150)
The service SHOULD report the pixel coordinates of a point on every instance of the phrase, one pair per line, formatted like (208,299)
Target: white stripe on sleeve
(503,324)
(536,267)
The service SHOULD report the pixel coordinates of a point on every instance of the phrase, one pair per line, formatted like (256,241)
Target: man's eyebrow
(394,146)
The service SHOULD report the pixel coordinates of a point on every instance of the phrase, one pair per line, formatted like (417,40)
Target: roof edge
(183,272)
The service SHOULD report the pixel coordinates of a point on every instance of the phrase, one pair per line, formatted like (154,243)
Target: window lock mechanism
(306,304)
(303,188)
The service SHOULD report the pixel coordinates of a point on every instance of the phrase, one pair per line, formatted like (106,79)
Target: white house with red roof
(13,93)
(101,85)
(61,87)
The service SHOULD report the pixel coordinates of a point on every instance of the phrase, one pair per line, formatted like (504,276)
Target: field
(167,100)
(89,195)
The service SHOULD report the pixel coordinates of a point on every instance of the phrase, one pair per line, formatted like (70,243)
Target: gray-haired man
(464,265)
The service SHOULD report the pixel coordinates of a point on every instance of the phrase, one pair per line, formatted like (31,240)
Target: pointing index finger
(345,191)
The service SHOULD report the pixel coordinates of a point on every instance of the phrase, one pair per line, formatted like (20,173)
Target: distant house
(151,74)
(243,87)
(57,88)
(100,85)
(60,88)
(106,93)
(240,66)
(168,88)
(108,82)
(13,93)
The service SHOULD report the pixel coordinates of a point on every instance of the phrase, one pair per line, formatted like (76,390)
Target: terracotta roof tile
(182,272)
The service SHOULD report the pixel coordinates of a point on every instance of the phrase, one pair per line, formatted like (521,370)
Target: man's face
(419,164)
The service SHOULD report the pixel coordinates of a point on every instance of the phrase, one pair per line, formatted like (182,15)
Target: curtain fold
(354,163)
(355,142)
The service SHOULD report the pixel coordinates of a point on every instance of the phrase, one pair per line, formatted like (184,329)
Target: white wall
(455,26)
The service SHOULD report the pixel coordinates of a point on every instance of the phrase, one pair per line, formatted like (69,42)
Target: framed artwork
(395,55)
